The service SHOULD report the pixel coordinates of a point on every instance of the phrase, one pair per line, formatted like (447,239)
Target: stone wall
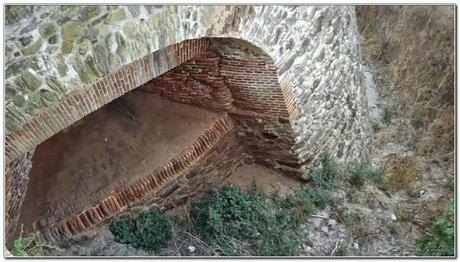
(233,76)
(16,181)
(53,53)
(65,62)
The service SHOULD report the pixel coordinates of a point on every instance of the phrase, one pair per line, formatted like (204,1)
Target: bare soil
(108,149)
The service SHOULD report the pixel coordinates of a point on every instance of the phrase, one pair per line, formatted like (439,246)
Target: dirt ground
(108,149)
(267,180)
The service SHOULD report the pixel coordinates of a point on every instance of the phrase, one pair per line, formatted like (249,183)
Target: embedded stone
(134,10)
(30,80)
(53,39)
(25,40)
(83,71)
(61,65)
(54,83)
(100,58)
(10,91)
(14,13)
(89,12)
(130,29)
(47,94)
(90,63)
(34,48)
(67,47)
(71,30)
(32,26)
(84,47)
(47,30)
(116,16)
(19,100)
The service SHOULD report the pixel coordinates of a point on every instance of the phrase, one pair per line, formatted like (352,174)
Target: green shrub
(361,173)
(150,230)
(320,197)
(376,126)
(231,221)
(30,245)
(439,241)
(327,175)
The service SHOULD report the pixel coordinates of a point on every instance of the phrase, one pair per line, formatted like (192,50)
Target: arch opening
(165,142)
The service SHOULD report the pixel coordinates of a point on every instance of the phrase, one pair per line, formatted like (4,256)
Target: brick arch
(86,100)
(247,89)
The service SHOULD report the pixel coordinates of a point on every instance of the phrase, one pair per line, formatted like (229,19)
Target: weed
(327,175)
(29,245)
(361,173)
(150,230)
(439,241)
(376,126)
(231,220)
(341,251)
(403,172)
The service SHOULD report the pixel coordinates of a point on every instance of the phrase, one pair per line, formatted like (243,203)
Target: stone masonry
(307,93)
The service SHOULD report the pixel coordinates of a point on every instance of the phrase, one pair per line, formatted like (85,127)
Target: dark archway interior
(113,148)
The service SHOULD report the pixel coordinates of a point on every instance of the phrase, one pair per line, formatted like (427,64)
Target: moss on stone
(54,83)
(71,30)
(19,100)
(90,63)
(134,10)
(67,47)
(47,94)
(130,30)
(88,12)
(61,66)
(116,16)
(25,40)
(30,80)
(34,48)
(84,72)
(47,30)
(10,91)
(14,13)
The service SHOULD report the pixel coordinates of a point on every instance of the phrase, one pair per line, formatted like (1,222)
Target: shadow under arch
(234,77)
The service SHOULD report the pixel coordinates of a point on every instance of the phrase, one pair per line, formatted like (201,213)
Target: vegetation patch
(150,230)
(439,240)
(235,222)
(29,245)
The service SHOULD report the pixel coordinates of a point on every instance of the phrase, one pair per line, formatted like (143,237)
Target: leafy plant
(376,126)
(150,230)
(326,176)
(29,245)
(232,220)
(439,241)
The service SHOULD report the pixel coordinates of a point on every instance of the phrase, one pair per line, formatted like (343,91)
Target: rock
(332,222)
(134,10)
(89,12)
(25,40)
(315,221)
(53,39)
(325,229)
(54,83)
(393,217)
(30,80)
(67,47)
(47,30)
(191,249)
(19,100)
(71,30)
(116,16)
(34,48)
(355,246)
(61,66)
